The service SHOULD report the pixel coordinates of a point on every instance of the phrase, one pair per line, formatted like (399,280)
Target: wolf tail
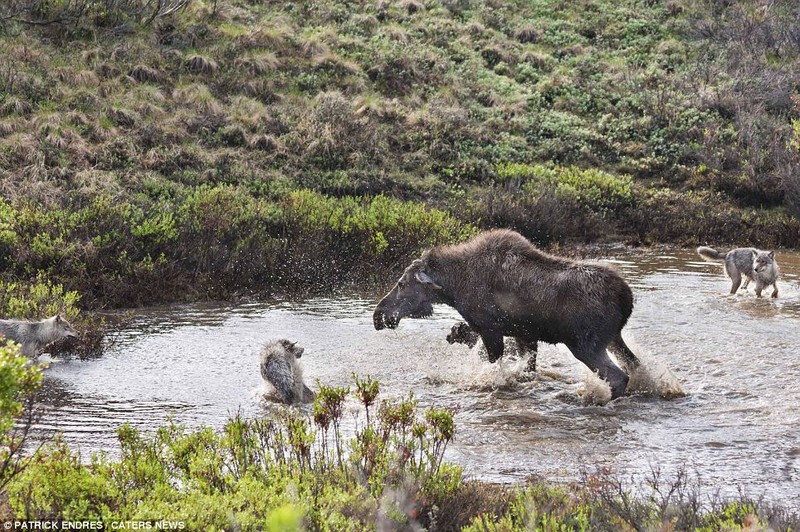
(709,253)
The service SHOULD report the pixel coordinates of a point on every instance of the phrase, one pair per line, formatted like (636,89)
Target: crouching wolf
(280,368)
(755,265)
(34,336)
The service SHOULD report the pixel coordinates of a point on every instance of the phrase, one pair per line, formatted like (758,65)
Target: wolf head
(461,333)
(292,348)
(61,328)
(763,260)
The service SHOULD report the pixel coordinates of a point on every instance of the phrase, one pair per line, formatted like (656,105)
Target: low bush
(19,381)
(691,217)
(600,192)
(256,472)
(210,241)
(334,240)
(294,470)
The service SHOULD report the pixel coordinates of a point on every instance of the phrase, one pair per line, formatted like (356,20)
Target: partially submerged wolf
(34,336)
(280,368)
(753,264)
(503,286)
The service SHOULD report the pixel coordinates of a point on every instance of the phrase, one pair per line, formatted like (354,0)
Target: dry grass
(266,143)
(527,34)
(200,64)
(412,6)
(15,105)
(317,42)
(271,37)
(146,74)
(248,112)
(395,32)
(258,63)
(9,127)
(198,96)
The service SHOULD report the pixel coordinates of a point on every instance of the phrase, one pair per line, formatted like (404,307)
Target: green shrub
(598,191)
(19,381)
(37,300)
(337,238)
(254,473)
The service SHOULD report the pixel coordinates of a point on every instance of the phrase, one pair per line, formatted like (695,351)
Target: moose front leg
(493,341)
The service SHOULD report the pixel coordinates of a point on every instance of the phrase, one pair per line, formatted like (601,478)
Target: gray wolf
(34,336)
(502,285)
(460,333)
(753,264)
(280,368)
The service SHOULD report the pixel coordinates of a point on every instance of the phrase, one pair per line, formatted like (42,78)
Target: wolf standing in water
(280,368)
(754,264)
(36,335)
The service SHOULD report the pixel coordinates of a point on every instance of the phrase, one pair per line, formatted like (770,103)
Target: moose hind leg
(530,348)
(623,353)
(597,360)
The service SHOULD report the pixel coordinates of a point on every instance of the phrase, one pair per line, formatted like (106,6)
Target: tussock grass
(201,64)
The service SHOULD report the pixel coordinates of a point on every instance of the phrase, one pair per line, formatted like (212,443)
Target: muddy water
(737,358)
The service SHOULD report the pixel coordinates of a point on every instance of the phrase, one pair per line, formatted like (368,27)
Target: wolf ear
(755,253)
(58,318)
(772,254)
(424,278)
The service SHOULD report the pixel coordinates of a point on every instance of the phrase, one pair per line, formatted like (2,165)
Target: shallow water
(737,358)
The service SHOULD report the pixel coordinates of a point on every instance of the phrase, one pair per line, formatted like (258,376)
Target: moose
(502,285)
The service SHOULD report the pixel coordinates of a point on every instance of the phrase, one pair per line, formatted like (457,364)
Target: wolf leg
(736,279)
(775,291)
(759,287)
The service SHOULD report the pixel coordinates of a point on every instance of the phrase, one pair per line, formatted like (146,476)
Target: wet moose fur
(503,286)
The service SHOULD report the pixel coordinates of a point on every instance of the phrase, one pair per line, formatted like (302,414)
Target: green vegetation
(19,381)
(188,149)
(296,471)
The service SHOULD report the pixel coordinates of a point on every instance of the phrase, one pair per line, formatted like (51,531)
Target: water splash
(652,378)
(469,369)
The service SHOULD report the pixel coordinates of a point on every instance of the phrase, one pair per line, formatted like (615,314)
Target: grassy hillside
(149,155)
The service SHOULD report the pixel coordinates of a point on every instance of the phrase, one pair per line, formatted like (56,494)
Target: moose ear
(424,278)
